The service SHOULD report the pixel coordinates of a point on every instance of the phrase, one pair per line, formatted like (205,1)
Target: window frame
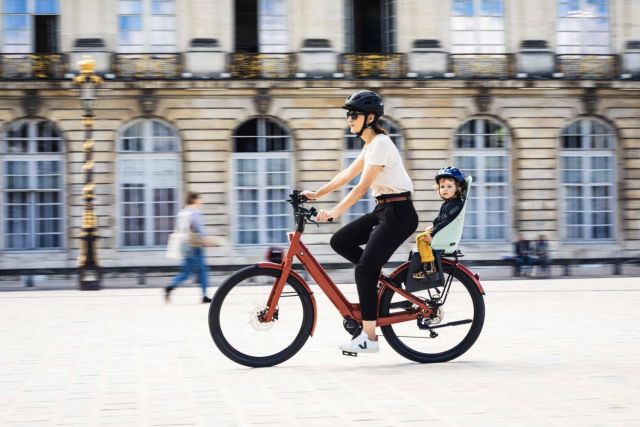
(582,47)
(584,154)
(29,13)
(262,156)
(479,188)
(146,156)
(146,17)
(32,157)
(477,47)
(263,33)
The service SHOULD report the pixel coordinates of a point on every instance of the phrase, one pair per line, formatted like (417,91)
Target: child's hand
(428,238)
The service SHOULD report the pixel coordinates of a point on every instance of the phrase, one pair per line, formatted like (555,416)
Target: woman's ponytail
(377,128)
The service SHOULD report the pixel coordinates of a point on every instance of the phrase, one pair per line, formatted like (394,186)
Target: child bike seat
(448,238)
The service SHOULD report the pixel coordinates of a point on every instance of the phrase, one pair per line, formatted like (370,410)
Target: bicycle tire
(442,356)
(222,342)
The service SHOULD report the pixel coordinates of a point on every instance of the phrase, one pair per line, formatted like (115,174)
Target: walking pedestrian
(189,223)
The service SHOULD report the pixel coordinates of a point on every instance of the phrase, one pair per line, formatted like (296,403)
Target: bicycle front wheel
(235,313)
(455,326)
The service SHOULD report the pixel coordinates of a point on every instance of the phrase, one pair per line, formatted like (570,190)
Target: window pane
(163,7)
(130,22)
(47,7)
(130,7)
(491,8)
(15,6)
(15,22)
(462,8)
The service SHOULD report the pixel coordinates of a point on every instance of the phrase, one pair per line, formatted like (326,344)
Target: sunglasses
(353,114)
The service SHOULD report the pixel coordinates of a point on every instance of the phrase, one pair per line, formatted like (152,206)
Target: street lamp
(90,276)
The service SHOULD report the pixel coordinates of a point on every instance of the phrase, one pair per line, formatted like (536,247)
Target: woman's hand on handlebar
(310,195)
(326,216)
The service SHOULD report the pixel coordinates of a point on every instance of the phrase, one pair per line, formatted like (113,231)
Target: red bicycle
(263,314)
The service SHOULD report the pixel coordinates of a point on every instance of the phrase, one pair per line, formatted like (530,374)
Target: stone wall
(427,114)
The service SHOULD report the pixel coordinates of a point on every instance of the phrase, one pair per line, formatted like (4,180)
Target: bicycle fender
(465,270)
(299,278)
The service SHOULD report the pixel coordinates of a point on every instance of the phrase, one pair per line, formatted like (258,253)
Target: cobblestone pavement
(552,353)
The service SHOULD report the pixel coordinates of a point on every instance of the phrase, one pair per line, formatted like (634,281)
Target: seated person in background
(541,251)
(523,257)
(450,185)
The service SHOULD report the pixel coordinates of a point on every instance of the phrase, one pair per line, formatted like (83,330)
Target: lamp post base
(90,280)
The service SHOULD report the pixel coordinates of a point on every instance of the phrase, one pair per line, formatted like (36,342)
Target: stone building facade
(240,101)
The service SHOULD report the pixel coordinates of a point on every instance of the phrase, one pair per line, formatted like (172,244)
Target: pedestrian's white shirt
(393,178)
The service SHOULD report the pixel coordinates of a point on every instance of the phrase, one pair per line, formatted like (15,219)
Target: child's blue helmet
(453,173)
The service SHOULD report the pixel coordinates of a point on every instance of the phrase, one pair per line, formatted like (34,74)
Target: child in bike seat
(450,185)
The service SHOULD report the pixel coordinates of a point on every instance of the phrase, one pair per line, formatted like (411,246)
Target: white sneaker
(360,344)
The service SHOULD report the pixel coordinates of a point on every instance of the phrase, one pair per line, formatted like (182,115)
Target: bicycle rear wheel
(234,318)
(455,327)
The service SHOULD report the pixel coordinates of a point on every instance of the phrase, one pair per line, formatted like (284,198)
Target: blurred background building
(239,100)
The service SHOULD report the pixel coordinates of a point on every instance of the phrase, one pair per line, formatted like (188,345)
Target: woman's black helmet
(365,101)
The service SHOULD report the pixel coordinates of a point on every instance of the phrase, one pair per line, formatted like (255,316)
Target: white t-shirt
(393,178)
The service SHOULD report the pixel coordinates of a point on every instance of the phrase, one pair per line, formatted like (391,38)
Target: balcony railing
(373,65)
(482,66)
(588,66)
(27,66)
(147,65)
(262,65)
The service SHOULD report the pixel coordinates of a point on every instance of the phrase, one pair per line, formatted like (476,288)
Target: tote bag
(180,235)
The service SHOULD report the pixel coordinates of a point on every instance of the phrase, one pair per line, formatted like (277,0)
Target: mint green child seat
(448,238)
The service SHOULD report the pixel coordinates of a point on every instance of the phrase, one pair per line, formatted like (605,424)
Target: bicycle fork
(276,290)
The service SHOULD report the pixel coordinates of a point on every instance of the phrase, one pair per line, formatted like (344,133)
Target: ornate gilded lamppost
(90,276)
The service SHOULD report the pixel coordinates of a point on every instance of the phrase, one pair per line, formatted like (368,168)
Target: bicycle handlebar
(297,199)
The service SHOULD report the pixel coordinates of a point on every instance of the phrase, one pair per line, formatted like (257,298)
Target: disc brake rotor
(254,319)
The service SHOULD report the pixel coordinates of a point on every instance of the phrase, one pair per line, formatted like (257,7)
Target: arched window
(352,147)
(261,182)
(482,151)
(587,161)
(146,26)
(32,175)
(148,182)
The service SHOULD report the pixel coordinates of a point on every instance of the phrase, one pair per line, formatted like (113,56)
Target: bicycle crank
(351,326)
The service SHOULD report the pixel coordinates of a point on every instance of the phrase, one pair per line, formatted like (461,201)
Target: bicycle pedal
(349,353)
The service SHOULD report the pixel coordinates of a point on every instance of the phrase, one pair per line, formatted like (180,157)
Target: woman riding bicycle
(393,220)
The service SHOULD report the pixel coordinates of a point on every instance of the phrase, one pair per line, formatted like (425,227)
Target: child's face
(447,188)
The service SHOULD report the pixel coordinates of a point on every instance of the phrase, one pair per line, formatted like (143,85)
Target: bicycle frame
(347,309)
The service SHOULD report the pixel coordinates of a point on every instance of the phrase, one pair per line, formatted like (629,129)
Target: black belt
(392,199)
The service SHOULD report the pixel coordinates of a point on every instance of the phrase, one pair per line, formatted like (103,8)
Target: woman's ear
(373,117)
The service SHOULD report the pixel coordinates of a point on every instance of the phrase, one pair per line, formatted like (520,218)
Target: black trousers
(383,231)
